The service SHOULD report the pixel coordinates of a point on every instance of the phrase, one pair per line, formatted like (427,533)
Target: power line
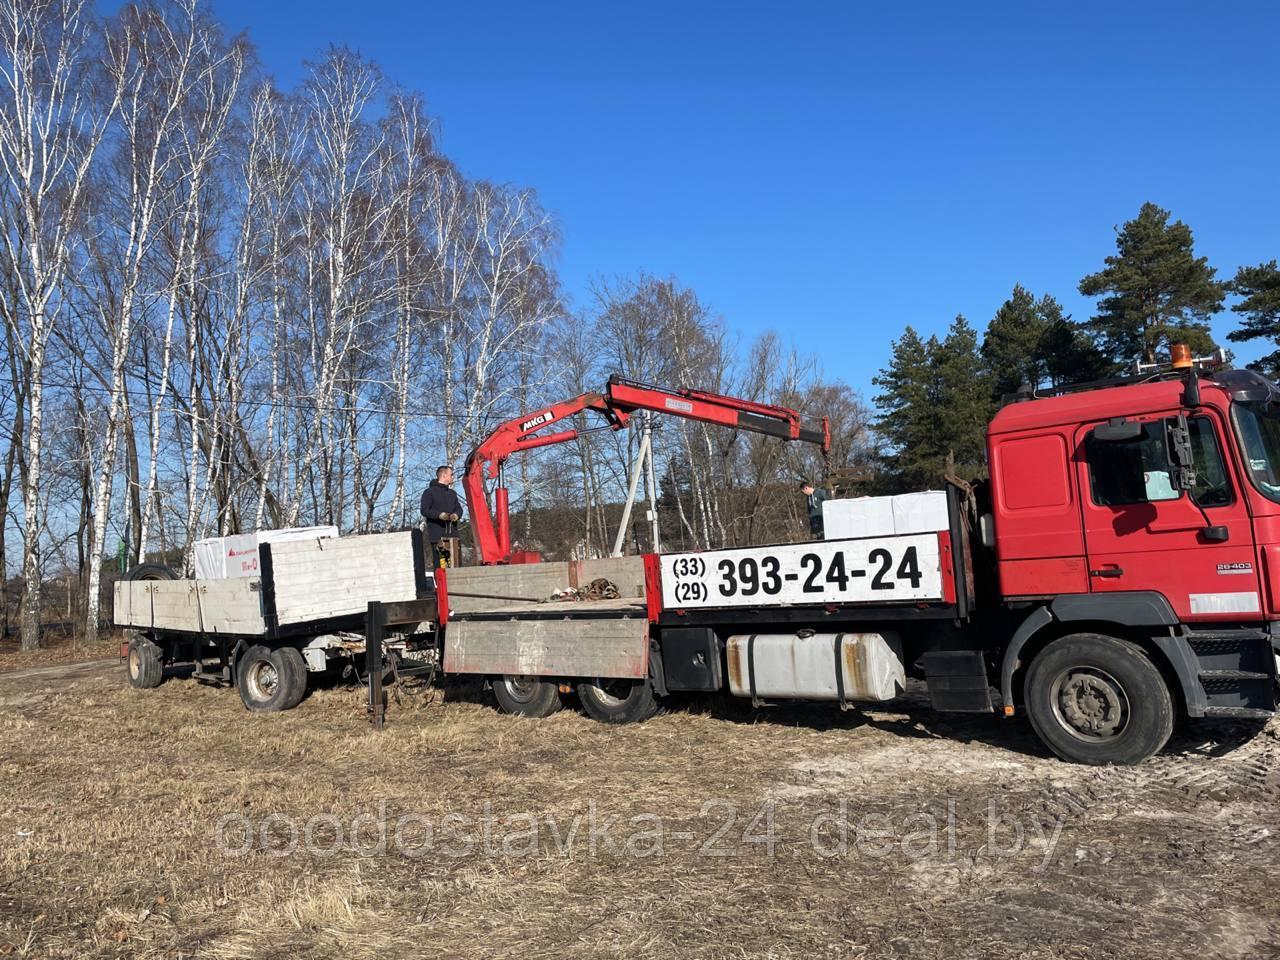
(279,404)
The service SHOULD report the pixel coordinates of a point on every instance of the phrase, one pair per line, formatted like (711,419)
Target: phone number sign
(875,570)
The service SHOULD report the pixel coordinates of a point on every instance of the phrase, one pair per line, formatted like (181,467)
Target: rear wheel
(526,696)
(617,700)
(271,680)
(1096,699)
(144,663)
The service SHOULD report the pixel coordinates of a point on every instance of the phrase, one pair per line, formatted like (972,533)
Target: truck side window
(1213,487)
(1134,472)
(1121,474)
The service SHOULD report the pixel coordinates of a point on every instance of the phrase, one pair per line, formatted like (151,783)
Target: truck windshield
(1258,426)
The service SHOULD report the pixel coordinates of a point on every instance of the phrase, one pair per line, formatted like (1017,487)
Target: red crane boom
(616,403)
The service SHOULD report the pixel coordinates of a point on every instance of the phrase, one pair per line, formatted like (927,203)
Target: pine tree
(1260,288)
(1013,344)
(1154,291)
(964,399)
(934,407)
(1030,342)
(908,421)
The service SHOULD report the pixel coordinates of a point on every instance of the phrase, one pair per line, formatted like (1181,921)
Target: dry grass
(111,797)
(56,648)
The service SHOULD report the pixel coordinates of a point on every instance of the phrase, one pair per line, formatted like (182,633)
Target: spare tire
(151,571)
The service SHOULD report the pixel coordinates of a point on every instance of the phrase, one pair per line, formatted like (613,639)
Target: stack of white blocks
(924,512)
(226,558)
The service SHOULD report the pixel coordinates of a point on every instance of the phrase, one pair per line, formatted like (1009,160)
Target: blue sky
(835,171)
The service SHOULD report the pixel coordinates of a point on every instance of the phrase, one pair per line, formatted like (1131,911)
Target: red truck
(1119,568)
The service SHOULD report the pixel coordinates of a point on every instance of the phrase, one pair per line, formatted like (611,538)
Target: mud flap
(958,681)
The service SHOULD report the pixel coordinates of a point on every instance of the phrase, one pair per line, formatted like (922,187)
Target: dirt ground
(173,823)
(55,647)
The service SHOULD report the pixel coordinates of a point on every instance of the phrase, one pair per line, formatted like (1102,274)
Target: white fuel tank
(820,666)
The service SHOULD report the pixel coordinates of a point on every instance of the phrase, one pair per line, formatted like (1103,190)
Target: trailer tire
(1096,699)
(526,696)
(151,571)
(617,701)
(144,664)
(270,680)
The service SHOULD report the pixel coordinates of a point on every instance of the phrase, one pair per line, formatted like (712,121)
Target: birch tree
(54,113)
(155,55)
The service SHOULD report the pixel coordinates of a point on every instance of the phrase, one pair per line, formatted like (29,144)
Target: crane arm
(616,403)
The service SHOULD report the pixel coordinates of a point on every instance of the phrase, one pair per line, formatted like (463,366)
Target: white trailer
(307,606)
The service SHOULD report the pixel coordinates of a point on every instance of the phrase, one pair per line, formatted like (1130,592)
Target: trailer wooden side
(303,582)
(502,587)
(192,606)
(324,579)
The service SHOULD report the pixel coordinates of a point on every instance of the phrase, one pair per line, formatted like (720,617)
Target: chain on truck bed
(600,588)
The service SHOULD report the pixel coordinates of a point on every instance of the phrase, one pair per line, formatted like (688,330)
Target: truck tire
(151,571)
(1096,699)
(269,679)
(617,701)
(144,664)
(526,696)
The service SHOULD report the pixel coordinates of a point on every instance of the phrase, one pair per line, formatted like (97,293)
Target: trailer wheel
(269,679)
(151,571)
(1097,700)
(526,696)
(144,664)
(617,701)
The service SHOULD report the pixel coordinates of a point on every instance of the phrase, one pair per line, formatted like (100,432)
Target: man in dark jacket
(442,511)
(813,500)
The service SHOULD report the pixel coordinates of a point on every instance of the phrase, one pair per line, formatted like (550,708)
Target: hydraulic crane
(619,399)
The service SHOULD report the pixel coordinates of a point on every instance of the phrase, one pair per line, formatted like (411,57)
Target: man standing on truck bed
(441,509)
(813,498)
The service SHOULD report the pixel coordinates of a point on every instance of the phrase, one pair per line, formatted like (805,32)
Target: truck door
(1143,534)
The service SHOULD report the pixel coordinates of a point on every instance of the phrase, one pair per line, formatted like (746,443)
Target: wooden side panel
(215,606)
(163,604)
(595,647)
(318,579)
(231,606)
(626,573)
(121,605)
(521,583)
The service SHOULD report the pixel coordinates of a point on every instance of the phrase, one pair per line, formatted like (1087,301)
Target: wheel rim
(135,662)
(263,680)
(522,689)
(612,693)
(1090,704)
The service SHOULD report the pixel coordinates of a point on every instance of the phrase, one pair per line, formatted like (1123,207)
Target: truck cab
(1145,512)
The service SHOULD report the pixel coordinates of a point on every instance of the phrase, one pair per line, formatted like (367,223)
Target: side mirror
(1216,534)
(1118,430)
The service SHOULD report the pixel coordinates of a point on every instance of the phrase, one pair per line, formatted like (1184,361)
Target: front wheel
(526,696)
(617,701)
(1096,699)
(271,680)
